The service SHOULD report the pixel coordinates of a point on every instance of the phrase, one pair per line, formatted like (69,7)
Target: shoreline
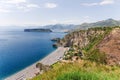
(31,71)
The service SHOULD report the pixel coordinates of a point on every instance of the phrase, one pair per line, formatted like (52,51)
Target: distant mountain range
(66,27)
(103,23)
(69,27)
(60,27)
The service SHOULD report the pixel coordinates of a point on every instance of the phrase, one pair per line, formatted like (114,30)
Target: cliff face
(97,44)
(80,38)
(75,38)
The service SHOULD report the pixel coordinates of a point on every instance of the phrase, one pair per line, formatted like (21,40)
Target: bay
(21,49)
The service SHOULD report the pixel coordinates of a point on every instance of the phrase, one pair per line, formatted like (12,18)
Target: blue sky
(43,12)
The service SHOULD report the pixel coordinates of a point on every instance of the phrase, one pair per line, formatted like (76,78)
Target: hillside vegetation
(93,55)
(81,70)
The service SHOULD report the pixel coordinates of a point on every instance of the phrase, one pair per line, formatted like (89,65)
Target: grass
(81,70)
(77,75)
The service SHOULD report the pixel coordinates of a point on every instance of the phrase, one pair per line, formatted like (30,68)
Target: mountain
(60,27)
(71,27)
(66,27)
(103,23)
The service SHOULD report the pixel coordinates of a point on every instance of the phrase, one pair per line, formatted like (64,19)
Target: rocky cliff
(96,44)
(111,46)
(80,38)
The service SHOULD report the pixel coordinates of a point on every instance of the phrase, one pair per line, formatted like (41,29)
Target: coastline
(31,71)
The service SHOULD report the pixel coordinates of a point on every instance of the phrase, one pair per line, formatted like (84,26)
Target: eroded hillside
(111,46)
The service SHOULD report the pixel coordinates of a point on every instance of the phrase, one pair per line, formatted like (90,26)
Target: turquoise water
(21,49)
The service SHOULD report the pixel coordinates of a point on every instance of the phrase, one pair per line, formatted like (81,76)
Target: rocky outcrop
(55,39)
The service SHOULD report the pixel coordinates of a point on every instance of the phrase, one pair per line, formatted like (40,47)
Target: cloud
(7,6)
(51,5)
(14,1)
(103,2)
(89,4)
(27,7)
(106,2)
(32,6)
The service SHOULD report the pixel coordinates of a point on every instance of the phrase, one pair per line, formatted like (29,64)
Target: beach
(31,71)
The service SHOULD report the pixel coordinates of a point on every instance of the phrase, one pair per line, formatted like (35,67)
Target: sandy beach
(31,71)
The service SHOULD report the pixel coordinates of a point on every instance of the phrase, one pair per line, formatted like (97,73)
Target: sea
(19,49)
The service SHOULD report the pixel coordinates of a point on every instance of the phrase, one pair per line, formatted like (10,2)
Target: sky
(44,12)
